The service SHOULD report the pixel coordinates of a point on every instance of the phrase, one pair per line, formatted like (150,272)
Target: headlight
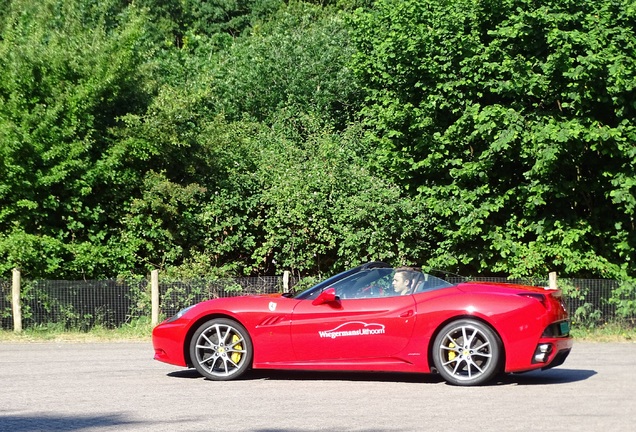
(180,313)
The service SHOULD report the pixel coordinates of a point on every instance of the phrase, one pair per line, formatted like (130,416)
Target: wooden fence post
(154,296)
(553,280)
(286,281)
(15,301)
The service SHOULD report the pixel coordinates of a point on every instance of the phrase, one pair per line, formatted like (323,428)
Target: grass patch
(139,330)
(608,332)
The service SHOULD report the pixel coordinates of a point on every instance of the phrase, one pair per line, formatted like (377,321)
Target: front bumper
(168,341)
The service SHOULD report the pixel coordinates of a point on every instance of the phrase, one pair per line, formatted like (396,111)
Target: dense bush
(250,137)
(512,122)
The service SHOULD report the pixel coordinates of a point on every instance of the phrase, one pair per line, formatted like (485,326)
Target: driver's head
(404,279)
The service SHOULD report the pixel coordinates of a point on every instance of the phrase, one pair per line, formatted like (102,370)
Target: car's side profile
(357,321)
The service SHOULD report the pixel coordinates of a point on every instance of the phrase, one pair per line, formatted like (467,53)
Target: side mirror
(327,296)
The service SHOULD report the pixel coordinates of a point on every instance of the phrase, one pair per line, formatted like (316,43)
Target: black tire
(467,352)
(221,349)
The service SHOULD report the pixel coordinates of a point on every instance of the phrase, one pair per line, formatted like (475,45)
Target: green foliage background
(250,137)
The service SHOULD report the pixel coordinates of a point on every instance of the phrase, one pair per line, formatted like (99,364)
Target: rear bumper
(545,353)
(551,352)
(558,359)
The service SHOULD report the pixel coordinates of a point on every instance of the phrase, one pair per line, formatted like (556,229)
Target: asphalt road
(117,386)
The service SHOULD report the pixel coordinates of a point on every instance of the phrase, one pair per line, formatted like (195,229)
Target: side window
(368,284)
(429,282)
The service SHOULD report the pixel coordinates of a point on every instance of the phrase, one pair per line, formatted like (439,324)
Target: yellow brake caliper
(236,356)
(451,354)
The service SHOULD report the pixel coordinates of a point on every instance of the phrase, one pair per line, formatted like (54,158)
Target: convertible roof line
(375,264)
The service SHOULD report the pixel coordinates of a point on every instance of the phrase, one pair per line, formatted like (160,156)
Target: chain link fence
(590,302)
(5,304)
(82,305)
(175,295)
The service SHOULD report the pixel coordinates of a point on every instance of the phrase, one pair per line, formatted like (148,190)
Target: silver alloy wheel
(467,352)
(221,349)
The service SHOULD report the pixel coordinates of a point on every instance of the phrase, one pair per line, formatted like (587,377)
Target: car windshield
(375,282)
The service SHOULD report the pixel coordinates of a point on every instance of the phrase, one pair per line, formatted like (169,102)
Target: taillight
(537,296)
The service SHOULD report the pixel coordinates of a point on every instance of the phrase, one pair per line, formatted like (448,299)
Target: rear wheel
(467,352)
(221,349)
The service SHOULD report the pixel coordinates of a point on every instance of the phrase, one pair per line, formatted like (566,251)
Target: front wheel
(221,349)
(467,352)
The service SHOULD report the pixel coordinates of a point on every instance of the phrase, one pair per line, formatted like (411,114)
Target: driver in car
(405,279)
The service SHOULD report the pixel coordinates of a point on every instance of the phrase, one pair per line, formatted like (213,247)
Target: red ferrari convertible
(374,318)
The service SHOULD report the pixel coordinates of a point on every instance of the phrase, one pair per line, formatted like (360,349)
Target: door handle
(406,314)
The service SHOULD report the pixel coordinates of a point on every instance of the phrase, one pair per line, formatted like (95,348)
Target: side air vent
(272,320)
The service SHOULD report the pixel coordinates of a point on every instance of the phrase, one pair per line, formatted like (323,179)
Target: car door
(352,328)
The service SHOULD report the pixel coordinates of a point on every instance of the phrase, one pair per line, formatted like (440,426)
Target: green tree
(203,130)
(198,210)
(323,209)
(231,17)
(512,123)
(70,70)
(296,58)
